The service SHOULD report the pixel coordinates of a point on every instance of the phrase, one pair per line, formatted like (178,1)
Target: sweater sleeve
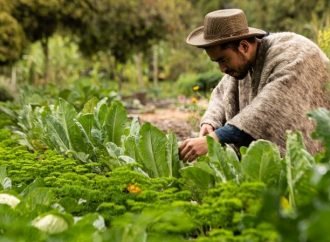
(215,113)
(230,134)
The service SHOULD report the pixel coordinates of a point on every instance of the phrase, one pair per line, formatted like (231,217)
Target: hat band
(237,33)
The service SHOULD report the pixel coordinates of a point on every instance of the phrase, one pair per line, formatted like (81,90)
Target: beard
(241,71)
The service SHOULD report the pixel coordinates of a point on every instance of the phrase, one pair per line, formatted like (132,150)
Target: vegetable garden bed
(96,175)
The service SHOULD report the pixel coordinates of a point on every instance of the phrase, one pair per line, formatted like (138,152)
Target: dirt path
(183,123)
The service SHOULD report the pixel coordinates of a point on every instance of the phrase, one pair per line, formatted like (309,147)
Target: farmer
(272,81)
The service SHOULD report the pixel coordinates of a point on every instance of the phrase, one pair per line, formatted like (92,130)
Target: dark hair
(235,44)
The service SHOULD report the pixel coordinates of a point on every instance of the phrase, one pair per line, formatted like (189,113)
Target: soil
(181,122)
(170,115)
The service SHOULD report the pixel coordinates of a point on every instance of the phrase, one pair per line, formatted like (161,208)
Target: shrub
(204,82)
(324,40)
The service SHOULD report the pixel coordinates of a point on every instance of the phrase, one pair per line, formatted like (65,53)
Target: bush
(324,40)
(5,94)
(204,82)
(11,39)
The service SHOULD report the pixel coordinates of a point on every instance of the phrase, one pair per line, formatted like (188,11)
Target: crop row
(128,184)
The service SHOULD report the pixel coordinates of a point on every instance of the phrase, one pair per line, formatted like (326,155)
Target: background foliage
(147,36)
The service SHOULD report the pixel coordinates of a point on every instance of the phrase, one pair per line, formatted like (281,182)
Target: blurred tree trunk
(138,61)
(155,65)
(7,83)
(32,73)
(45,49)
(111,65)
(119,75)
(13,79)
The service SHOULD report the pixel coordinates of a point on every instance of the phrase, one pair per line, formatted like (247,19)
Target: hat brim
(196,37)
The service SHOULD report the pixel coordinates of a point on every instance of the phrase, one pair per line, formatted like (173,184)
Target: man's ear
(244,46)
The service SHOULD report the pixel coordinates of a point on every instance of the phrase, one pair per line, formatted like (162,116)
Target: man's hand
(206,129)
(190,149)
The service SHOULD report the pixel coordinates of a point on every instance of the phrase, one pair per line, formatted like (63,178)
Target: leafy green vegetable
(9,199)
(51,223)
(116,119)
(262,162)
(200,174)
(5,181)
(322,117)
(299,165)
(223,161)
(172,156)
(152,148)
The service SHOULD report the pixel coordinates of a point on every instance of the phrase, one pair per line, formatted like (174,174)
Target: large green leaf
(90,106)
(172,155)
(130,142)
(114,152)
(262,162)
(131,147)
(59,125)
(115,123)
(200,174)
(50,223)
(128,228)
(38,199)
(223,161)
(10,113)
(299,165)
(152,149)
(25,118)
(5,181)
(66,114)
(56,136)
(100,113)
(322,131)
(134,128)
(38,182)
(155,224)
(81,134)
(87,123)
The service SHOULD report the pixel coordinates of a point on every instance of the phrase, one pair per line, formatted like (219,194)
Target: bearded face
(231,61)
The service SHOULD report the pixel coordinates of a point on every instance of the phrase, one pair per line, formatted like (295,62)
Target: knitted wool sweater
(289,80)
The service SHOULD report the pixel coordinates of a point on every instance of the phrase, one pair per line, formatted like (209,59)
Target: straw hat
(223,26)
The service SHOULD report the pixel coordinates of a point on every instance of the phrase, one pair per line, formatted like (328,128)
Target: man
(271,83)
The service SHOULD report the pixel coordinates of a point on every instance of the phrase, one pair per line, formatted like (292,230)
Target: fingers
(202,132)
(206,129)
(190,149)
(190,156)
(209,129)
(184,149)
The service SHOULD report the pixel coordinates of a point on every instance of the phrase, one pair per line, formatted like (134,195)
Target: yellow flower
(196,88)
(194,100)
(131,188)
(284,202)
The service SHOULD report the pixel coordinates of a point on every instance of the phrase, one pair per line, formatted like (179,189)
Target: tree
(291,15)
(276,15)
(39,20)
(124,28)
(12,40)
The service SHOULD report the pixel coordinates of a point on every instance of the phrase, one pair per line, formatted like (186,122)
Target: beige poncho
(287,82)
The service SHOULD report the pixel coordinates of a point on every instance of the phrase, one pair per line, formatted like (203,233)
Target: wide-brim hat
(223,26)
